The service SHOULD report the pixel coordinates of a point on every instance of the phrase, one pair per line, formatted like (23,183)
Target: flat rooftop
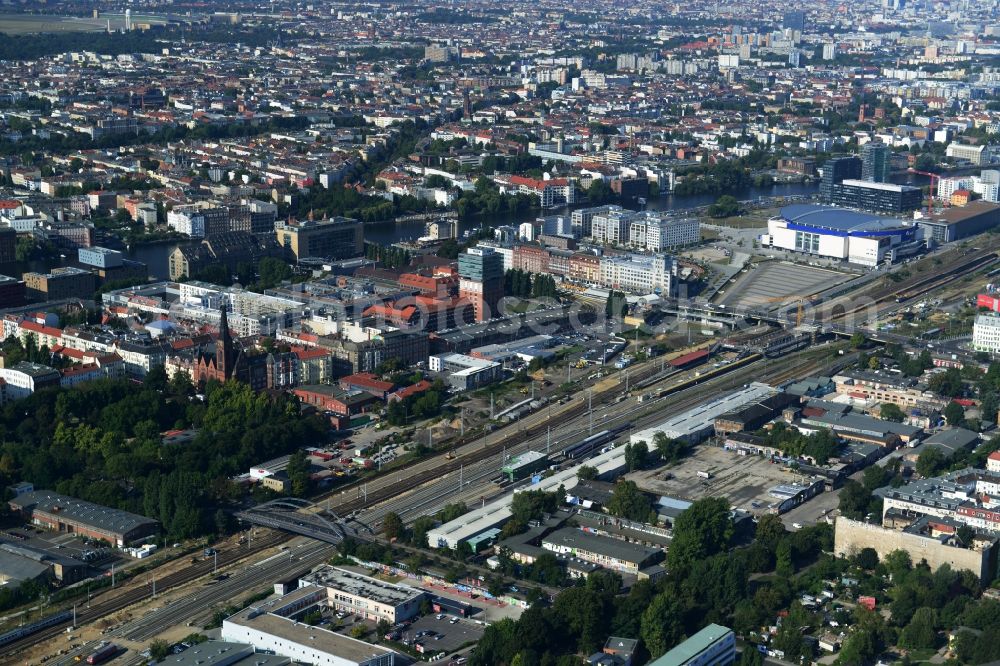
(686,652)
(362,586)
(315,638)
(703,416)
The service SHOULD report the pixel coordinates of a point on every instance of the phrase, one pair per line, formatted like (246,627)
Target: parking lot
(743,480)
(59,545)
(447,637)
(775,281)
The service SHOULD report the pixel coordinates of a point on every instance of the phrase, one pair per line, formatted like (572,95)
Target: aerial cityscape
(524,334)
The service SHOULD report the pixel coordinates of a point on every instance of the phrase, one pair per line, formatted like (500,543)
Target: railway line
(429,497)
(511,441)
(918,285)
(99,607)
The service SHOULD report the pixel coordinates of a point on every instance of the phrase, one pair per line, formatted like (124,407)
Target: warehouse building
(69,515)
(698,423)
(836,233)
(956,223)
(609,553)
(524,465)
(469,526)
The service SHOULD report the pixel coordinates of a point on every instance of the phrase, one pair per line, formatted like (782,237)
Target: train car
(102,654)
(592,444)
(28,629)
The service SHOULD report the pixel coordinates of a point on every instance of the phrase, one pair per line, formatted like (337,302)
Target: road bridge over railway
(302,517)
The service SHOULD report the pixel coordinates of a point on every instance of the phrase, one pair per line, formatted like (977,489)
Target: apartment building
(643,274)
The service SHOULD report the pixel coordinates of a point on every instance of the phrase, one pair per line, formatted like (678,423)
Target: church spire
(224,356)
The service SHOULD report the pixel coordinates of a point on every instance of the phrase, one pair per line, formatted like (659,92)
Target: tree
(616,306)
(874,477)
(854,500)
(662,625)
(891,412)
(954,413)
(858,340)
(392,526)
(867,559)
(701,531)
(159,649)
(298,474)
(866,641)
(627,501)
(770,531)
(930,461)
(586,473)
(920,632)
(750,657)
(421,526)
(670,450)
(725,206)
(874,363)
(635,455)
(947,383)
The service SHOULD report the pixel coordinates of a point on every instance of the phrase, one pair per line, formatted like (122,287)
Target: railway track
(918,285)
(517,437)
(504,441)
(113,604)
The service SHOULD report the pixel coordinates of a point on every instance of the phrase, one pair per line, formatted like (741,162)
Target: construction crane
(934,178)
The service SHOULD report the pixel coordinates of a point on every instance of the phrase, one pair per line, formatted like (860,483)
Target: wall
(851,536)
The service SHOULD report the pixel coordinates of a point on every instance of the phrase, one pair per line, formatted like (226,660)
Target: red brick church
(226,362)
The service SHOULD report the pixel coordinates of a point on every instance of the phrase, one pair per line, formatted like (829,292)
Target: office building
(986,333)
(8,244)
(581,219)
(978,155)
(271,627)
(100,257)
(837,170)
(466,372)
(366,597)
(12,292)
(875,162)
(840,187)
(24,378)
(229,249)
(335,238)
(641,274)
(62,283)
(714,645)
(480,272)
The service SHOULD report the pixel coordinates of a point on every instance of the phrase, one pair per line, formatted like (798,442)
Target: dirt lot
(743,480)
